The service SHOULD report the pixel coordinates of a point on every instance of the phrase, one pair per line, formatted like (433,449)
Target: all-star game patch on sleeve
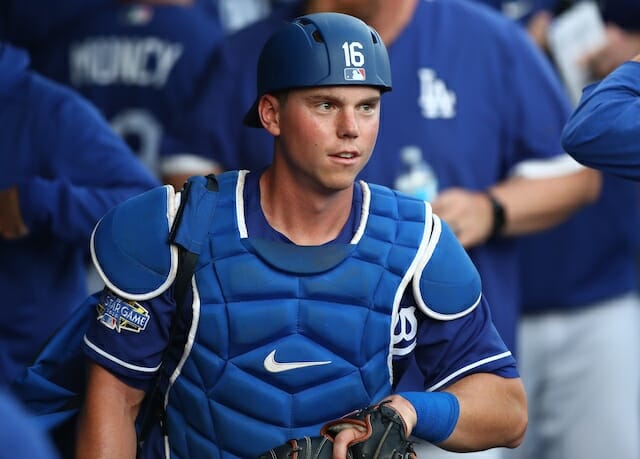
(128,337)
(116,313)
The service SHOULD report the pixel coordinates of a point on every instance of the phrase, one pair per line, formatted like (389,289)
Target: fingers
(538,28)
(468,214)
(12,225)
(618,47)
(449,205)
(342,441)
(13,232)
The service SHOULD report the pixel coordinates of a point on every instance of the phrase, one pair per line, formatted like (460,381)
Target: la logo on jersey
(435,100)
(353,61)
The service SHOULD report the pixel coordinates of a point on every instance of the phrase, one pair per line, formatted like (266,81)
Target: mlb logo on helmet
(353,74)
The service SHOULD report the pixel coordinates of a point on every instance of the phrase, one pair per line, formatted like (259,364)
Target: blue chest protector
(280,329)
(277,330)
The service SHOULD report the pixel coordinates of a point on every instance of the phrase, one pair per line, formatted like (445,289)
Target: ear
(269,112)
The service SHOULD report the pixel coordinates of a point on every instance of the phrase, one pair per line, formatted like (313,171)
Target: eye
(369,107)
(326,106)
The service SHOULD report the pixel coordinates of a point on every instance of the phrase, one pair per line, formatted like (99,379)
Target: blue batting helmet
(321,49)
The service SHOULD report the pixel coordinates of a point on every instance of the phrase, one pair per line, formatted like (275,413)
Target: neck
(388,17)
(392,17)
(302,215)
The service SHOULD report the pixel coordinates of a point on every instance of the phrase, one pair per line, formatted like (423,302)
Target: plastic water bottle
(419,179)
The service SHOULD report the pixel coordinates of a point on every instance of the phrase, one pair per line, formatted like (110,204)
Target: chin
(340,184)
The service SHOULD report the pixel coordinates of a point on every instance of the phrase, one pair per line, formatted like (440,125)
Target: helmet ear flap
(321,49)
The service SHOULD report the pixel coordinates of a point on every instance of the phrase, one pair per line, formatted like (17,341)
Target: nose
(348,124)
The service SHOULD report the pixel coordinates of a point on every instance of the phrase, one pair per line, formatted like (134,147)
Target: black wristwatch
(499,217)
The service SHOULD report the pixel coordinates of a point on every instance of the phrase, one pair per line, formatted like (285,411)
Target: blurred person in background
(622,18)
(622,28)
(61,169)
(580,304)
(136,61)
(604,129)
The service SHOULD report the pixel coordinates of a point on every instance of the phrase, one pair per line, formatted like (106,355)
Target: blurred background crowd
(103,99)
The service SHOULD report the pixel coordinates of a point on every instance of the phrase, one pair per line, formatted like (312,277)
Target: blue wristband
(437,414)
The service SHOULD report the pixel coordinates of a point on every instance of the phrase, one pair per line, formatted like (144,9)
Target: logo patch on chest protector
(118,314)
(405,331)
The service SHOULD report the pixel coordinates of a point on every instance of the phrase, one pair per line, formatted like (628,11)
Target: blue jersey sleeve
(76,168)
(604,129)
(447,351)
(128,337)
(461,347)
(93,169)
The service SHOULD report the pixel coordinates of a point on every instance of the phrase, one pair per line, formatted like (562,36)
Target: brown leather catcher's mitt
(382,436)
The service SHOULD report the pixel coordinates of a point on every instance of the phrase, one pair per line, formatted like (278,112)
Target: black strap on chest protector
(153,406)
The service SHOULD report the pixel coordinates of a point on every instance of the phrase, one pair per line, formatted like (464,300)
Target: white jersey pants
(581,371)
(429,451)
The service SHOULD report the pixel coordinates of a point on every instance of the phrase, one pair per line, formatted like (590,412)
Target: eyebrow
(331,98)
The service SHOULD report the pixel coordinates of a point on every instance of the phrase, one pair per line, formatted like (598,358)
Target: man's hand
(12,225)
(382,429)
(468,213)
(377,431)
(620,46)
(538,28)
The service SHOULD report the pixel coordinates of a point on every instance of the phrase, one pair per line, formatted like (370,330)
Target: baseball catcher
(315,312)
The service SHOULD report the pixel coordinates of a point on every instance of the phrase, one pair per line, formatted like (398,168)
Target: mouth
(347,155)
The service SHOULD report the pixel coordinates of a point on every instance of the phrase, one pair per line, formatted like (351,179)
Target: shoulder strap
(187,261)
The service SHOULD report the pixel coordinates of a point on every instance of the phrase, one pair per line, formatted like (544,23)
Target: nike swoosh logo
(273,366)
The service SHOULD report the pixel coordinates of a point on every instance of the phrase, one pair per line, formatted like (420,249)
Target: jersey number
(353,57)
